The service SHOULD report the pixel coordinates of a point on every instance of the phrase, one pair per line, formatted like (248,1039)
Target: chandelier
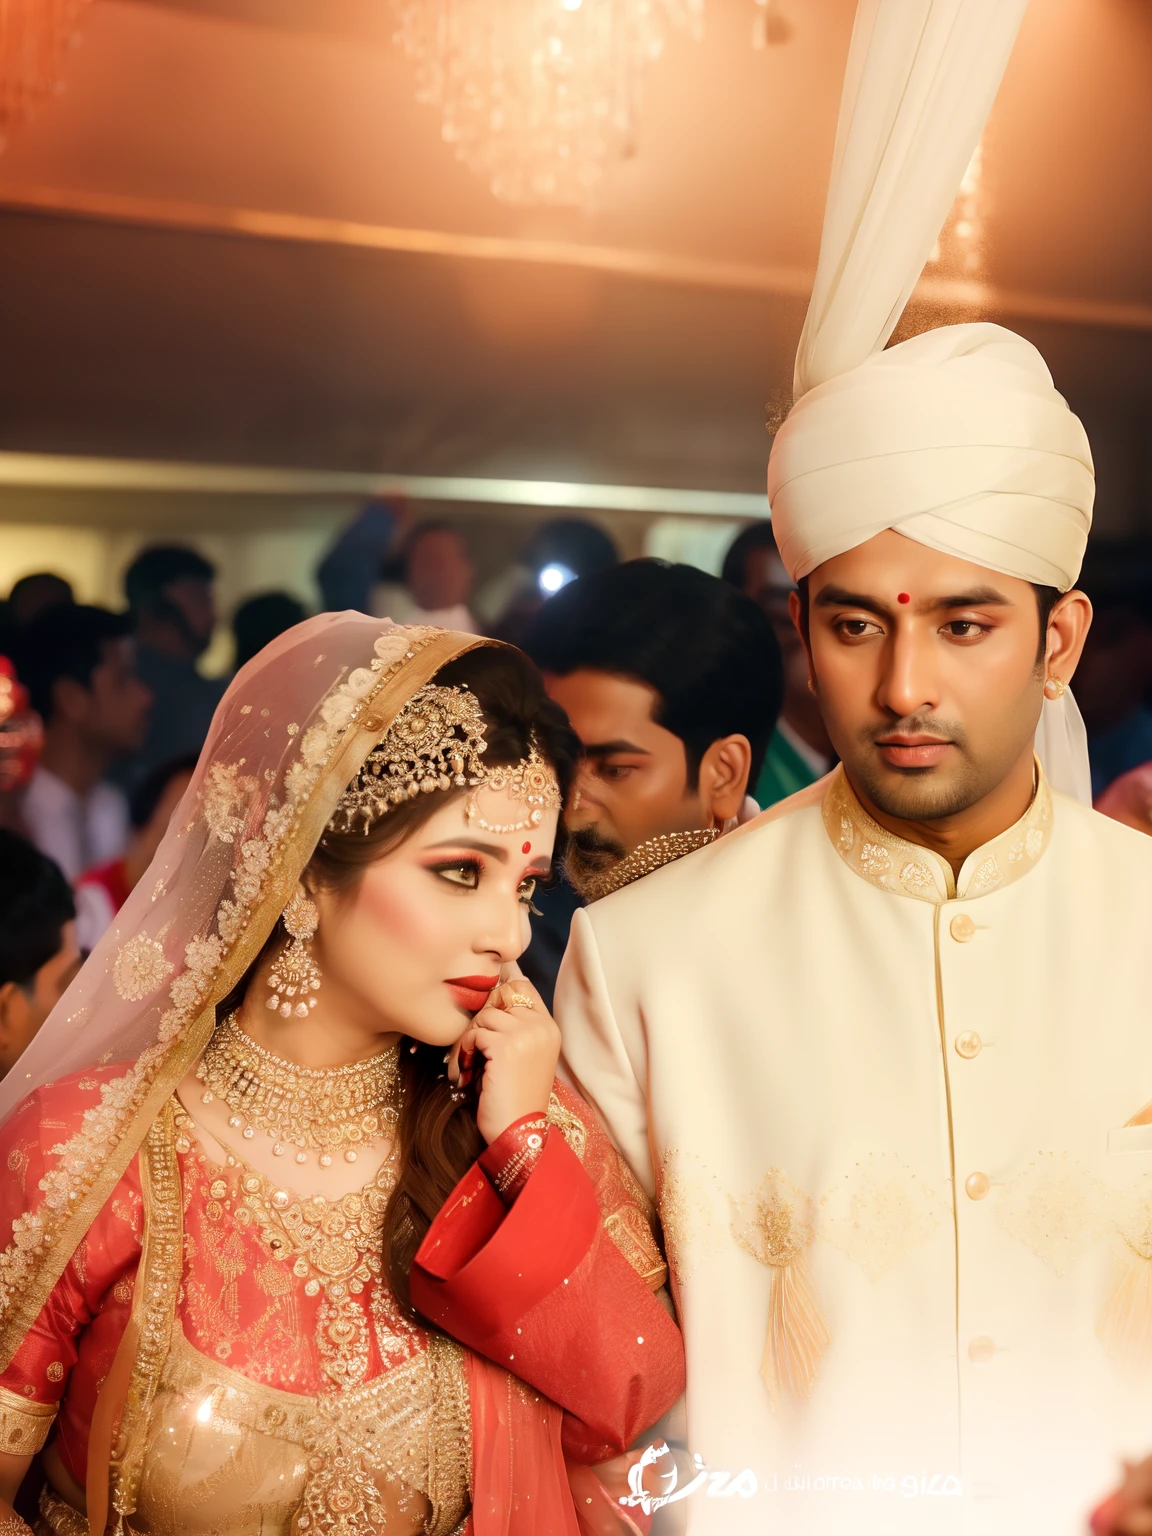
(34,37)
(539,97)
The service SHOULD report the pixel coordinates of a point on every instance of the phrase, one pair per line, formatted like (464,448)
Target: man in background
(799,752)
(432,582)
(170,596)
(261,619)
(673,682)
(352,564)
(558,552)
(35,594)
(78,666)
(39,955)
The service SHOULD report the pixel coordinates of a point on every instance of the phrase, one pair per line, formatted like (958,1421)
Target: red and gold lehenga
(212,1353)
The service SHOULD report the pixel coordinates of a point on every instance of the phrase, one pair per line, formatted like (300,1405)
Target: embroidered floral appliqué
(1056,1208)
(915,877)
(140,968)
(879,1213)
(987,876)
(227,794)
(874,860)
(684,1215)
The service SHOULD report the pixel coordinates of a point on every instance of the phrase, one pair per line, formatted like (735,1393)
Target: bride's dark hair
(437,1134)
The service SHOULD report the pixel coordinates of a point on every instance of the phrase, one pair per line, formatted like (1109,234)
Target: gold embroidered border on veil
(260,799)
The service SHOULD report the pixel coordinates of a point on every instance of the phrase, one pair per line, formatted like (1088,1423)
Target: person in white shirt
(435,587)
(883,1055)
(78,666)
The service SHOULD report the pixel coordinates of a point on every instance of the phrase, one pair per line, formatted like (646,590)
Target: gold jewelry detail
(295,973)
(649,856)
(303,1109)
(334,1246)
(531,781)
(1055,687)
(520,1000)
(531,1144)
(437,742)
(24,1423)
(57,1517)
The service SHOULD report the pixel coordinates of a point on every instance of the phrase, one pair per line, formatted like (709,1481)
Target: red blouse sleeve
(543,1288)
(94,1293)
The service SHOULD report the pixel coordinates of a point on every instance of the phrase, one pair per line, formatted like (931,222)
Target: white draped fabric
(956,438)
(921,79)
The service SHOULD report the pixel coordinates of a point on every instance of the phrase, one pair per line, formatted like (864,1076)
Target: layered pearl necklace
(302,1109)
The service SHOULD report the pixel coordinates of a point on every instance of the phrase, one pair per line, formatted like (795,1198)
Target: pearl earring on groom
(1055,688)
(295,974)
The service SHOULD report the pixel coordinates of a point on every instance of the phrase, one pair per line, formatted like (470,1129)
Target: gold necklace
(314,1109)
(334,1246)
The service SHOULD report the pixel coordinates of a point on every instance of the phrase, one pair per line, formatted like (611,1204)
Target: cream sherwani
(883,1115)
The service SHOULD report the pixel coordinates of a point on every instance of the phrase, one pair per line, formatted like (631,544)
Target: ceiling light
(538,97)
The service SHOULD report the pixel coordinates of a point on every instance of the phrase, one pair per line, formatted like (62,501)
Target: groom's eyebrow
(607,748)
(840,597)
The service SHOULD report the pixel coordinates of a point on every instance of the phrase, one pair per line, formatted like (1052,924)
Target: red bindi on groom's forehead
(903,597)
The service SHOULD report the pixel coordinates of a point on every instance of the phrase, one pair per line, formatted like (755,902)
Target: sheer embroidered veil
(289,735)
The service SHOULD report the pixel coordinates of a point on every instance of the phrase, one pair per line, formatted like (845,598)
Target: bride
(300,1235)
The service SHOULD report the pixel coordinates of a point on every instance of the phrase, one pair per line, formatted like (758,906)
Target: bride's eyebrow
(493,850)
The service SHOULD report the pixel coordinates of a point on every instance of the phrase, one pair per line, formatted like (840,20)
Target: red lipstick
(471,992)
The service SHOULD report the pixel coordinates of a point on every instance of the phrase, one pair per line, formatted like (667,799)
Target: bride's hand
(520,1044)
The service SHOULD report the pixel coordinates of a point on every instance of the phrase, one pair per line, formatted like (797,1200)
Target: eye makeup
(469,866)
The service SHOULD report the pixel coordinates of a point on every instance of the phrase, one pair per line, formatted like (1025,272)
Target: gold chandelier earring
(295,974)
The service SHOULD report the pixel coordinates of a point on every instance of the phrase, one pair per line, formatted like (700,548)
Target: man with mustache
(673,682)
(883,1056)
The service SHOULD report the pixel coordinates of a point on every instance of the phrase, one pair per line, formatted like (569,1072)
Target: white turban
(956,438)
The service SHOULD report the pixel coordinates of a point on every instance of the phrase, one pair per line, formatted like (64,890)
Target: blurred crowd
(661,668)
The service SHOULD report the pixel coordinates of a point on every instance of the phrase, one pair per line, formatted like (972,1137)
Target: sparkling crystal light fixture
(539,97)
(34,39)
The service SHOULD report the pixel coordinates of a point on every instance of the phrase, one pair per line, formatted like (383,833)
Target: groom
(882,1056)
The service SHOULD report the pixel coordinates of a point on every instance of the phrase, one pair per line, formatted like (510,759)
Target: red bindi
(903,597)
(527,848)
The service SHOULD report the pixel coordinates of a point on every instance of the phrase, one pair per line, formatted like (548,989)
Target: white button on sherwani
(884,1116)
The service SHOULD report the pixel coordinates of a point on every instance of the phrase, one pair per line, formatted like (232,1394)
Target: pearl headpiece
(437,742)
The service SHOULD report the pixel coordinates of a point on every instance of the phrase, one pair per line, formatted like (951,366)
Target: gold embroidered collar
(907,869)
